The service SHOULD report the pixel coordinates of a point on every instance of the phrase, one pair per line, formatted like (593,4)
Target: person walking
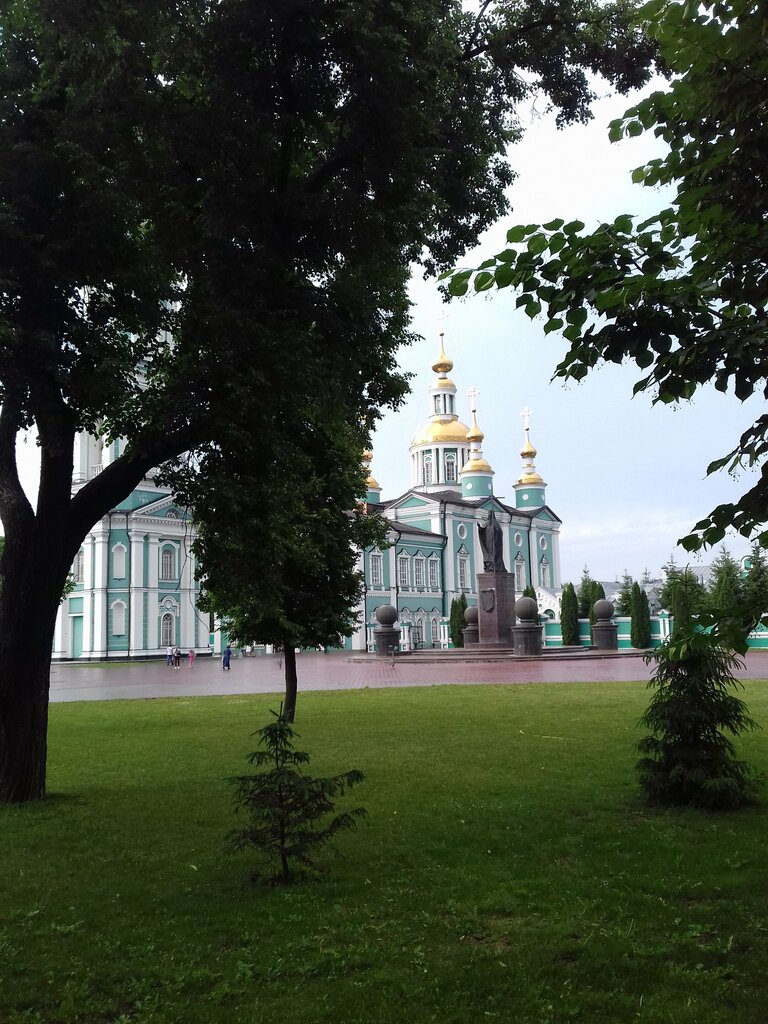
(225,658)
(169,655)
(177,658)
(191,657)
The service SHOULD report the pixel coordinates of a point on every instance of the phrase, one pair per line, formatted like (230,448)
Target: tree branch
(15,510)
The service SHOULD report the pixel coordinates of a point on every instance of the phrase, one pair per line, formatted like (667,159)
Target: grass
(507,871)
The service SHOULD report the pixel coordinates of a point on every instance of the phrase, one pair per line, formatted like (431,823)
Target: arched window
(418,571)
(450,469)
(167,631)
(167,565)
(118,619)
(403,571)
(544,572)
(428,474)
(434,573)
(77,567)
(463,572)
(118,561)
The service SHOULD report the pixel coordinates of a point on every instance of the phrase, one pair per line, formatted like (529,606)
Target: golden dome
(528,448)
(372,485)
(476,466)
(531,480)
(475,433)
(443,364)
(445,384)
(367,455)
(441,431)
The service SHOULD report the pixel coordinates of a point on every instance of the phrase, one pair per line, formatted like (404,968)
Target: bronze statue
(492,544)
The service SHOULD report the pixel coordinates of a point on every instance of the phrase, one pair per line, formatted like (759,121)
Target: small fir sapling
(688,759)
(285,808)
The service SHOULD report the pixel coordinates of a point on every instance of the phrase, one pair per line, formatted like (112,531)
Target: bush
(457,621)
(569,616)
(688,759)
(285,807)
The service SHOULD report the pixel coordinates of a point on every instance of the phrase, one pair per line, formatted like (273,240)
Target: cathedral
(134,591)
(434,550)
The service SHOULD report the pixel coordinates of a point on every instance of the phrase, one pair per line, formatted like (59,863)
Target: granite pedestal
(495,608)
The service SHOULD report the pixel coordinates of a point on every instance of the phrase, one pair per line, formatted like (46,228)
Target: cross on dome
(525,415)
(472,396)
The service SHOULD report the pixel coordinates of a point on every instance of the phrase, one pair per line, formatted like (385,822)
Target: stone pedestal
(471,633)
(495,608)
(528,642)
(386,635)
(604,632)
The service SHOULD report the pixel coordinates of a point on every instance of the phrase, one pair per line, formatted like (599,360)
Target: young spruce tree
(285,808)
(689,759)
(640,636)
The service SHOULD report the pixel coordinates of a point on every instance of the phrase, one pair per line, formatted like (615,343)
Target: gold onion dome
(367,455)
(444,384)
(372,484)
(477,466)
(443,364)
(441,431)
(475,433)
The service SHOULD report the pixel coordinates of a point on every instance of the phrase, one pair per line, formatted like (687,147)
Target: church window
(519,574)
(450,469)
(519,539)
(544,572)
(437,403)
(77,567)
(450,404)
(167,631)
(543,543)
(428,470)
(118,619)
(463,573)
(118,561)
(167,564)
(403,571)
(376,570)
(418,572)
(434,575)
(461,530)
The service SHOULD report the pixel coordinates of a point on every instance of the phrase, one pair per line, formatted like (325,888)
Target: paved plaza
(341,671)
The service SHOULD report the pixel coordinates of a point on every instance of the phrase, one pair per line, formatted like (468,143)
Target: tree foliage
(569,616)
(725,593)
(640,626)
(683,293)
(253,180)
(755,585)
(286,808)
(584,593)
(688,758)
(456,621)
(624,600)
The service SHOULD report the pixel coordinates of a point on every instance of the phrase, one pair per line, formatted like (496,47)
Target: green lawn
(507,871)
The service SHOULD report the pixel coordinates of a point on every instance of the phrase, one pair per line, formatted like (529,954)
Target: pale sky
(627,478)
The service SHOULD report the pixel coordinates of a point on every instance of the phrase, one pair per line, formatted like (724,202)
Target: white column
(556,584)
(60,632)
(136,578)
(100,576)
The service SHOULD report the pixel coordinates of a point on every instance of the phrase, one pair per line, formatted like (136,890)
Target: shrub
(285,807)
(457,621)
(688,759)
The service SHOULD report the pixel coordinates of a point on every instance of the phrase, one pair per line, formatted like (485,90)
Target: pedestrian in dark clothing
(177,658)
(225,658)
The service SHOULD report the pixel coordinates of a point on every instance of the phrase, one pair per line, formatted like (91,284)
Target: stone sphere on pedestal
(603,609)
(386,614)
(526,609)
(470,615)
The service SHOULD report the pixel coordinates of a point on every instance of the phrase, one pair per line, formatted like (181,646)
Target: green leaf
(553,225)
(537,244)
(573,227)
(517,233)
(553,325)
(483,281)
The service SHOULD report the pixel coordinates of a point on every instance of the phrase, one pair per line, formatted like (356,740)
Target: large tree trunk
(291,682)
(29,602)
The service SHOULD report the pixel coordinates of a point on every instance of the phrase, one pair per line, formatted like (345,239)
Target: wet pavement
(342,671)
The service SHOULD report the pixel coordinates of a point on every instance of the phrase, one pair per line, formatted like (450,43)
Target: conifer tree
(755,585)
(569,616)
(529,591)
(457,622)
(285,807)
(688,758)
(725,592)
(584,593)
(641,618)
(624,600)
(597,593)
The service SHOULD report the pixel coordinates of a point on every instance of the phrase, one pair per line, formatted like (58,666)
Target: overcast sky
(627,478)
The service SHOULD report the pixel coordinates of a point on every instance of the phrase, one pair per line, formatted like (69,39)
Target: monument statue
(492,544)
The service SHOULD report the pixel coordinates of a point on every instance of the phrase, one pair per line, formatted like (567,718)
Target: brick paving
(341,671)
